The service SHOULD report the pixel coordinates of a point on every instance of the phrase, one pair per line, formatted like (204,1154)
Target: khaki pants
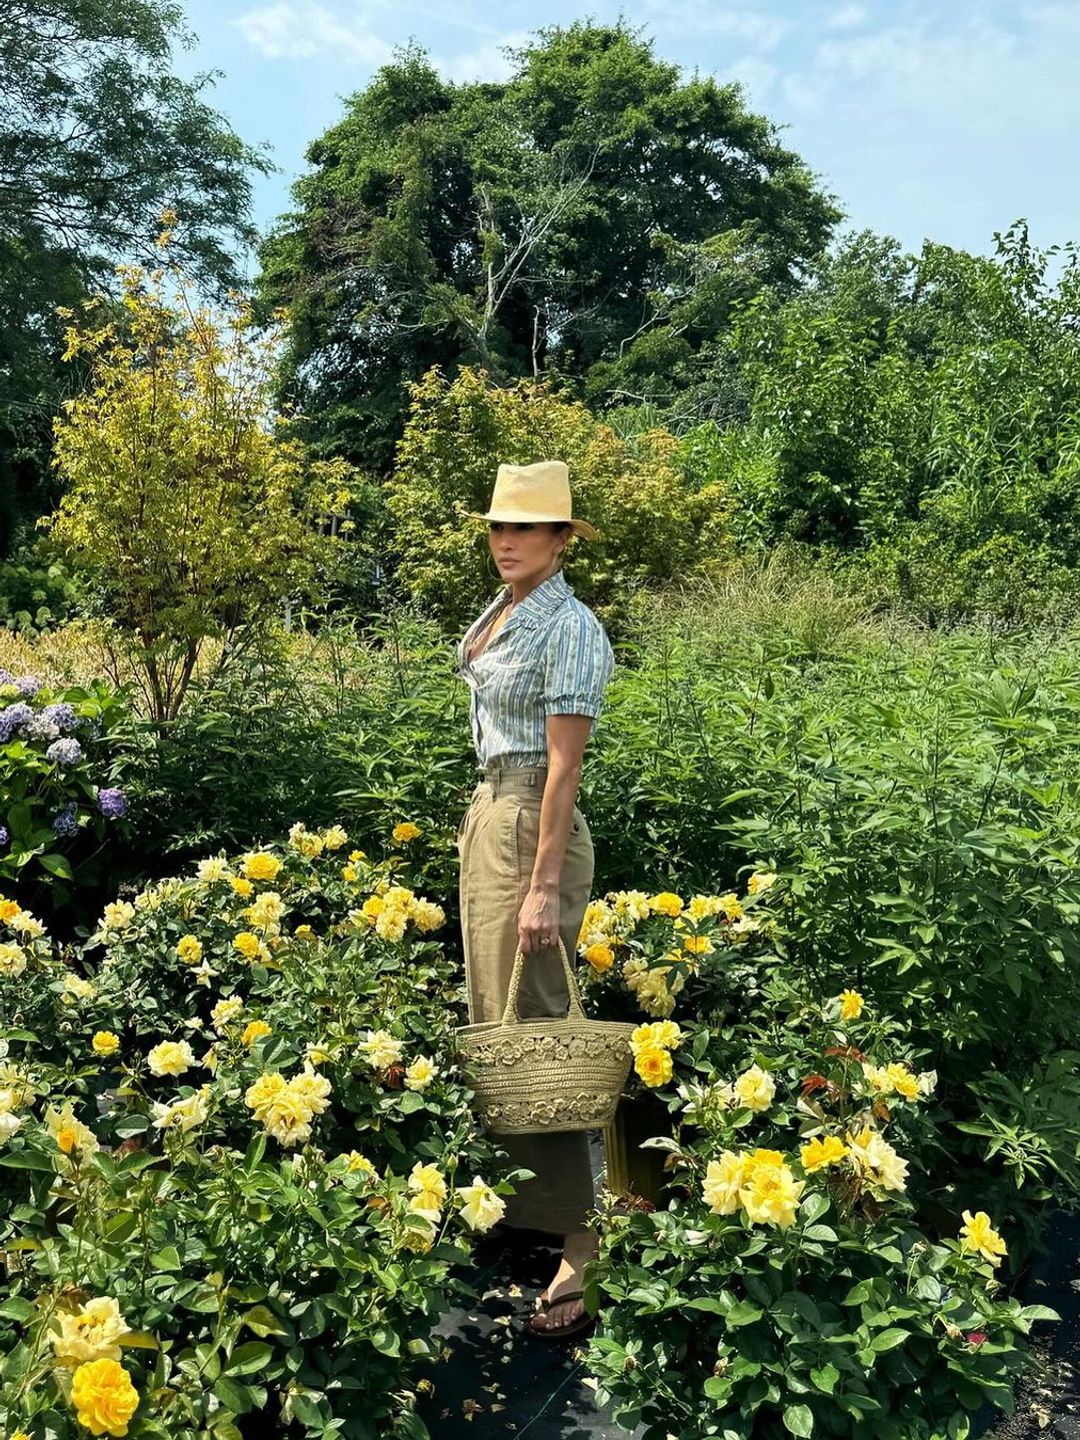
(497,843)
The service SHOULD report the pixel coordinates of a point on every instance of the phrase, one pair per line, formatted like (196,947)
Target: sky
(942,121)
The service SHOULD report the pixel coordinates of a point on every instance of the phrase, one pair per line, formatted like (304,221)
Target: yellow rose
(820,1153)
(335,837)
(247,944)
(348,873)
(92,1333)
(373,907)
(189,949)
(420,1073)
(481,1208)
(225,1011)
(978,1235)
(261,866)
(723,1182)
(760,880)
(428,1180)
(654,1066)
(171,1057)
(601,957)
(698,945)
(304,932)
(730,906)
(70,1134)
(12,959)
(380,1049)
(255,1031)
(8,910)
(851,1005)
(754,1089)
(244,888)
(902,1081)
(404,832)
(104,1397)
(355,1162)
(105,1043)
(118,915)
(666,904)
(878,1163)
(770,1195)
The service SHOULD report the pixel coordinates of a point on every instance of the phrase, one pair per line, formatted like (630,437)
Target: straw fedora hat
(526,494)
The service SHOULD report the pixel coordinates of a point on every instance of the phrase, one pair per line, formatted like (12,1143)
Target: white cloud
(758,76)
(943,122)
(756,28)
(846,18)
(487,62)
(301,30)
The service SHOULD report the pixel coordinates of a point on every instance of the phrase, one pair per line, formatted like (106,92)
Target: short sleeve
(578,663)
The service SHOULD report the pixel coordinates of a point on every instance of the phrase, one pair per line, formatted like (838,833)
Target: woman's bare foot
(578,1250)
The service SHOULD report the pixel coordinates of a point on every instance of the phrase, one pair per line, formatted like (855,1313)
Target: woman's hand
(538,920)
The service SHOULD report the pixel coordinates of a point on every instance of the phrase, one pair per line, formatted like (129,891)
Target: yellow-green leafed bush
(237,1161)
(791,1285)
(653,523)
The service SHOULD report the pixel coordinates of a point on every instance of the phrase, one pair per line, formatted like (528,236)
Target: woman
(537,661)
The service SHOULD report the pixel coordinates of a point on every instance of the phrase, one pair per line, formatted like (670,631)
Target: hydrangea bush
(237,1160)
(53,773)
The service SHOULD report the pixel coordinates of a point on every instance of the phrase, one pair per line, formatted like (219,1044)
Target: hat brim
(523,517)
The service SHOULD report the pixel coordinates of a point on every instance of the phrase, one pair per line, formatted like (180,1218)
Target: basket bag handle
(510,1014)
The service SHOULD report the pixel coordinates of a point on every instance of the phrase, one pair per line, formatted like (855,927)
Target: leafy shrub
(789,1286)
(249,1134)
(653,524)
(36,593)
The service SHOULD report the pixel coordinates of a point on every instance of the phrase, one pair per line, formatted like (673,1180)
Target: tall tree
(546,225)
(97,136)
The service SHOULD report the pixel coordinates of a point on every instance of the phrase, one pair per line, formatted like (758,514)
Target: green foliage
(37,592)
(55,836)
(96,134)
(286,1261)
(653,524)
(921,410)
(594,215)
(194,515)
(786,1289)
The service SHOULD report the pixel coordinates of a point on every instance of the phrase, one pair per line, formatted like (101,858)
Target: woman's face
(525,554)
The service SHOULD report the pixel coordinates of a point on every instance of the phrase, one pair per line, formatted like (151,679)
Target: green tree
(591,218)
(193,510)
(96,135)
(653,525)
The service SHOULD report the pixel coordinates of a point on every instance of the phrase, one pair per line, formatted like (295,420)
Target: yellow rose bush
(229,1180)
(655,953)
(791,1281)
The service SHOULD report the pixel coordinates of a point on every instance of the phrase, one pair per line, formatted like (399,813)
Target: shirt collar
(541,604)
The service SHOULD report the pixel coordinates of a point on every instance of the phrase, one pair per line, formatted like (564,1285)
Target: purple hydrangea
(64,752)
(64,821)
(27,685)
(62,715)
(4,836)
(6,677)
(112,802)
(40,728)
(12,717)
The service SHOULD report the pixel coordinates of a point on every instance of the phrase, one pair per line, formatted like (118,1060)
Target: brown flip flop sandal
(581,1326)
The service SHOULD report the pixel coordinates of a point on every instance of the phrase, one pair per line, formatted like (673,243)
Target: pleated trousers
(497,843)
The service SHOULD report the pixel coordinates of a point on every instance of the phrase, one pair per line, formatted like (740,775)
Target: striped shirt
(551,657)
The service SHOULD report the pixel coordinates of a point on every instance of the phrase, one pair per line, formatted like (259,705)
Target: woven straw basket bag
(555,1073)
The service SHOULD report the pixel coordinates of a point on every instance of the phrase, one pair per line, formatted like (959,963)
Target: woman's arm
(567,736)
